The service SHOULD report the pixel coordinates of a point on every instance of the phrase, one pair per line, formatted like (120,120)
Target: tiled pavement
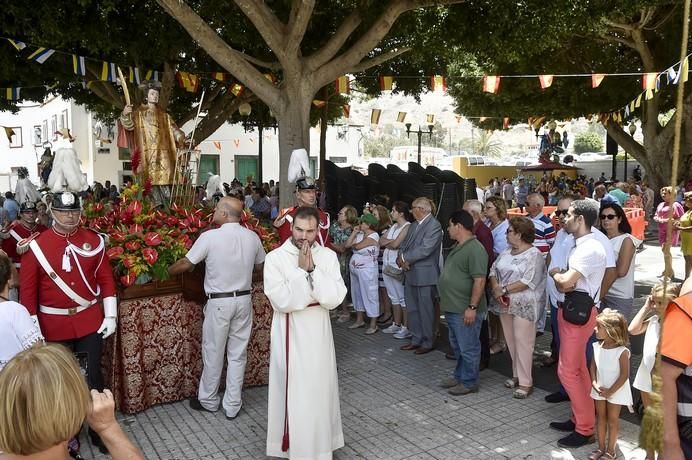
(391,409)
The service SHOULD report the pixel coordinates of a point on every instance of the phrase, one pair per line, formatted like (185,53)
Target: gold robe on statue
(154,134)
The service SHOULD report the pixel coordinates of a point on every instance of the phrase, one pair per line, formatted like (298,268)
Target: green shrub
(588,142)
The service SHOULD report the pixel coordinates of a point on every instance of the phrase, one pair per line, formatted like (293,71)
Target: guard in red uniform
(67,282)
(306,195)
(17,231)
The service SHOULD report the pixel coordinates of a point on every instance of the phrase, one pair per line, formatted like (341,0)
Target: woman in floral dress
(339,233)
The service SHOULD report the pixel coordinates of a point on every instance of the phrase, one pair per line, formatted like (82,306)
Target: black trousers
(91,346)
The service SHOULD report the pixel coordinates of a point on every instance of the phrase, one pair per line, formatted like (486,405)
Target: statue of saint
(153,133)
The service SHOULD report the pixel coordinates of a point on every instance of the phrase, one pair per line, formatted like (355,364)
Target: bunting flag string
(17,44)
(41,55)
(401,116)
(79,65)
(438,83)
(343,85)
(546,80)
(597,79)
(347,110)
(189,82)
(375,116)
(134,76)
(386,83)
(491,84)
(12,94)
(108,72)
(430,118)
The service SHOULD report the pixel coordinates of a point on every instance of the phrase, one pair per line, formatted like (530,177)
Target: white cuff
(110,307)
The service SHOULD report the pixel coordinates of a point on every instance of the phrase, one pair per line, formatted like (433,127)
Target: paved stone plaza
(392,408)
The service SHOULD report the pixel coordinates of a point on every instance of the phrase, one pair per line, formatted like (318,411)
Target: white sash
(15,235)
(54,276)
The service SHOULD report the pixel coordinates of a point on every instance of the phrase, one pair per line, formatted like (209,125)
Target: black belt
(221,295)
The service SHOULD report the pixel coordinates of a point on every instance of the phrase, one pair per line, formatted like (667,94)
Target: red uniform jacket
(9,245)
(285,229)
(37,288)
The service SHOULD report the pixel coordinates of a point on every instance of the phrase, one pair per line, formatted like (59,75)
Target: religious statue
(151,131)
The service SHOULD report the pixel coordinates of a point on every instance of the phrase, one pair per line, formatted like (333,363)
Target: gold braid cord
(651,433)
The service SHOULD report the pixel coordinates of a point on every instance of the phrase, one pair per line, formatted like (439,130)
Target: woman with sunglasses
(620,294)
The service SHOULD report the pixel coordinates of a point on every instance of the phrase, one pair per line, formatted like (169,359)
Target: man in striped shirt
(545,237)
(545,233)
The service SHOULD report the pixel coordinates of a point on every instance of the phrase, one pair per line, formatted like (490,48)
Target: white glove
(110,311)
(34,318)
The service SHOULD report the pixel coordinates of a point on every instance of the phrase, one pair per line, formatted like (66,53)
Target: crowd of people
(499,280)
(494,286)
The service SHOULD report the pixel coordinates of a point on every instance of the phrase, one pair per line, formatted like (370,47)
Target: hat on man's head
(306,183)
(65,201)
(299,170)
(27,206)
(368,219)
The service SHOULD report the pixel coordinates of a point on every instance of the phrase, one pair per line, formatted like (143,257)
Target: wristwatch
(473,307)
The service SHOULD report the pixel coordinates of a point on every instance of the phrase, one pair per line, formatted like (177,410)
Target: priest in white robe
(303,282)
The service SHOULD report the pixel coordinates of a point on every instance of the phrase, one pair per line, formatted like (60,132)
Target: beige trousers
(520,335)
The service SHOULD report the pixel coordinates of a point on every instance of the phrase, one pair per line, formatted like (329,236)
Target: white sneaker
(393,329)
(403,333)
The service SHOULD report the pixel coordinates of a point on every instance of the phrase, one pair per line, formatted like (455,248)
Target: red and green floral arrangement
(143,241)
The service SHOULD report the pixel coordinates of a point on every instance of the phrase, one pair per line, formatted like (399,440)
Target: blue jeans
(466,344)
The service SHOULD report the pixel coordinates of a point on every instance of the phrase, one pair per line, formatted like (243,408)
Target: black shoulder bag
(577,307)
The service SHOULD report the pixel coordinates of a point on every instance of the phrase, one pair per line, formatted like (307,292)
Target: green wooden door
(245,166)
(208,164)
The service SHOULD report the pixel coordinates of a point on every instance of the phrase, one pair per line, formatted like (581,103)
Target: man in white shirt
(586,268)
(230,253)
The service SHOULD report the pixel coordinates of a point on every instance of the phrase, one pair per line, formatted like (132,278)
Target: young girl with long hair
(610,370)
(647,322)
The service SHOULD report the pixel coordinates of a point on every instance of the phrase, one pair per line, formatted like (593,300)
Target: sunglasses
(561,212)
(608,216)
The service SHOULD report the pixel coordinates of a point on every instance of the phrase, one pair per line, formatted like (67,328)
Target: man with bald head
(230,253)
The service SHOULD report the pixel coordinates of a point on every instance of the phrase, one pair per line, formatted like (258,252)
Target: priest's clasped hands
(305,257)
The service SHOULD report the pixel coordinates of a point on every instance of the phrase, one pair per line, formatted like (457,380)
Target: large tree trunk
(293,117)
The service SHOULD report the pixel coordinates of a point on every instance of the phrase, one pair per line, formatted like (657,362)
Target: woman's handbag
(576,309)
(393,272)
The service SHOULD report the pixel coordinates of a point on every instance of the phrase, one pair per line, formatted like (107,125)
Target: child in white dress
(647,320)
(610,369)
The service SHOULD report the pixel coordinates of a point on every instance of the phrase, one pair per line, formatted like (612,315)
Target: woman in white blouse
(18,331)
(496,213)
(620,295)
(517,282)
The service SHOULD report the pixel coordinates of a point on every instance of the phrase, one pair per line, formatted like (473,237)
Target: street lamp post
(632,129)
(245,110)
(420,135)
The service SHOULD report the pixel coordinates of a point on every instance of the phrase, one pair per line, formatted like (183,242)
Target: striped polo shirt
(545,233)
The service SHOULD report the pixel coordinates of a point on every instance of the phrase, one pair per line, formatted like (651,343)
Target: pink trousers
(574,373)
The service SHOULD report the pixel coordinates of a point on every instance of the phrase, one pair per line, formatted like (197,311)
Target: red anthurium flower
(132,245)
(135,207)
(115,252)
(128,280)
(117,236)
(150,255)
(129,262)
(136,228)
(152,239)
